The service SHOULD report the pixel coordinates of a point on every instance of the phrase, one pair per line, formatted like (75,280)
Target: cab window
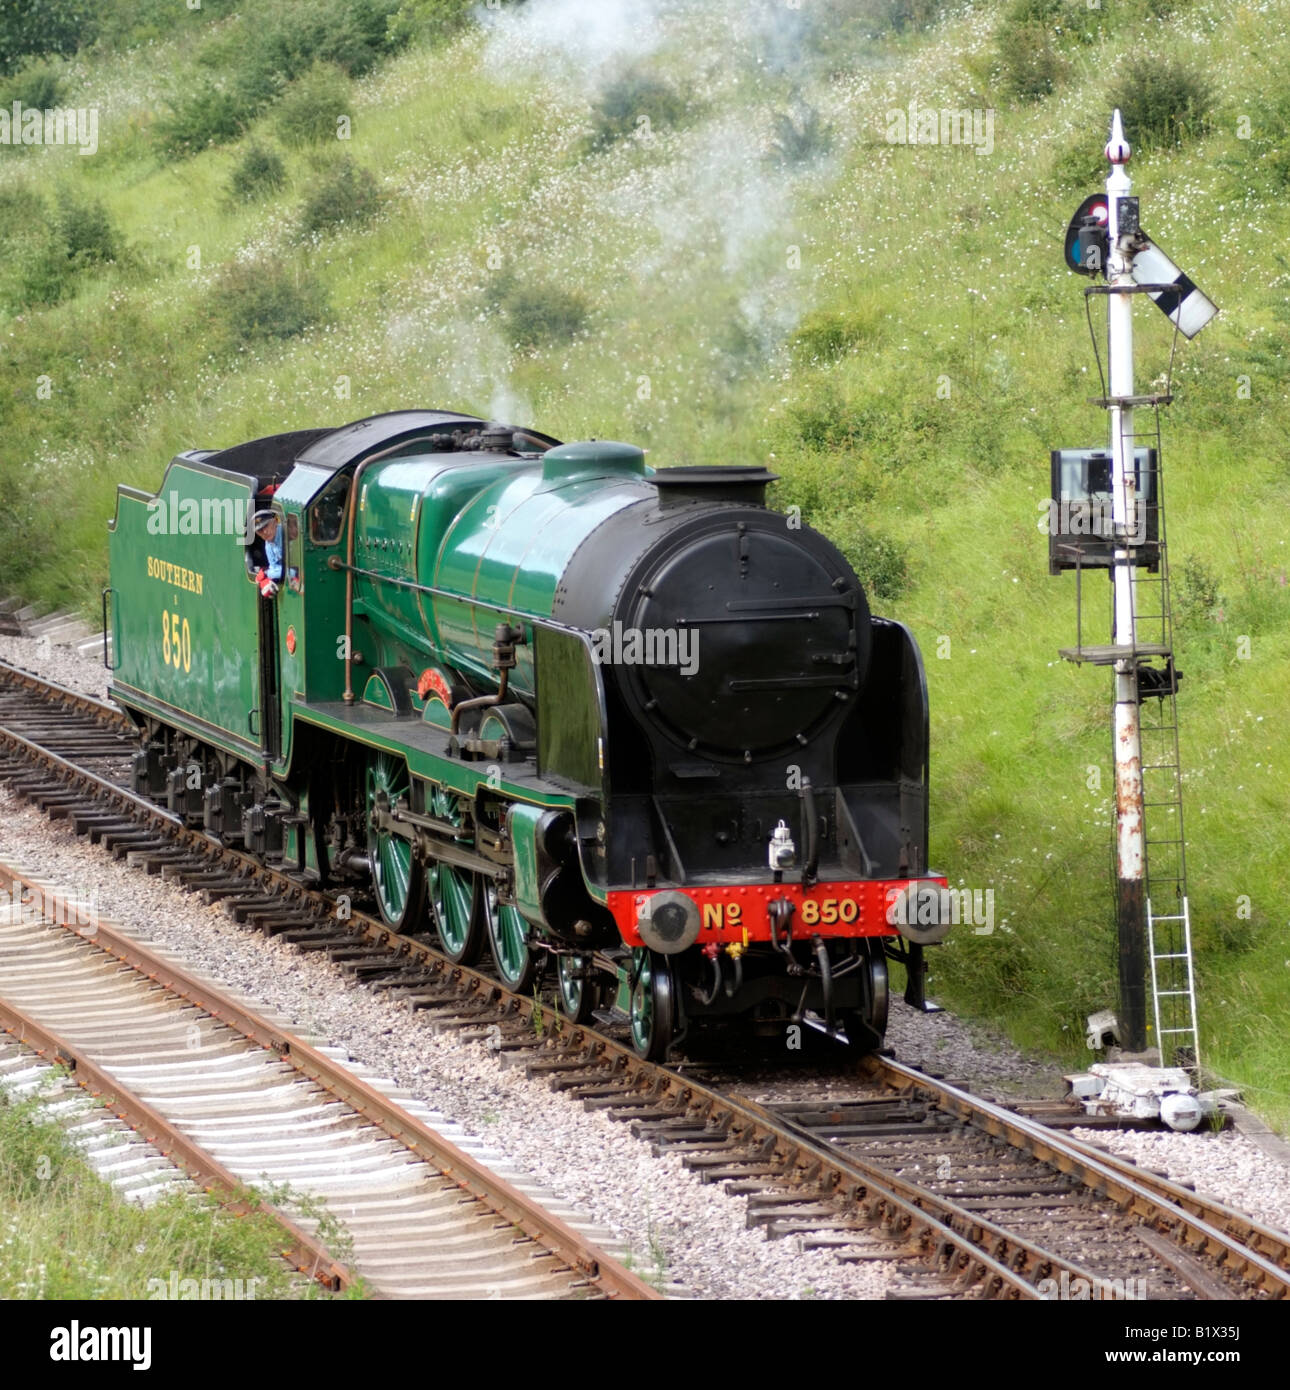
(327,515)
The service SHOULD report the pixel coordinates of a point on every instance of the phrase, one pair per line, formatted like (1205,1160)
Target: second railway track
(238,1103)
(971,1199)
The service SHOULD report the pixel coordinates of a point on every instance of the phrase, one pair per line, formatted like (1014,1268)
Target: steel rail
(107,714)
(1261,1254)
(540,1225)
(302,1250)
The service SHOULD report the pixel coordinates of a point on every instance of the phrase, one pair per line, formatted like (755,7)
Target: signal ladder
(1169,946)
(1173,980)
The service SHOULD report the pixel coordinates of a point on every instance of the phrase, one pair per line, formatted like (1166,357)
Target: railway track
(971,1199)
(236,1102)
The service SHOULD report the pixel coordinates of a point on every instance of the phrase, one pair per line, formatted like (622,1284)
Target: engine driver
(269,575)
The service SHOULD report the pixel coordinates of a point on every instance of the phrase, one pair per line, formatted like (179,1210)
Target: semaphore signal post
(1105,238)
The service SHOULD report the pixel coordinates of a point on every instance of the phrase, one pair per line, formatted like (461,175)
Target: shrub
(428,21)
(44,274)
(1163,100)
(826,336)
(51,254)
(541,314)
(37,27)
(266,300)
(37,84)
(346,194)
(1080,164)
(1029,65)
(906,16)
(209,115)
(309,110)
(801,136)
(634,104)
(86,231)
(259,171)
(352,34)
(34,268)
(1059,17)
(1196,592)
(879,560)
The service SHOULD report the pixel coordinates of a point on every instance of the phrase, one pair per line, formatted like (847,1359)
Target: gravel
(687,1234)
(62,665)
(679,1230)
(1225,1166)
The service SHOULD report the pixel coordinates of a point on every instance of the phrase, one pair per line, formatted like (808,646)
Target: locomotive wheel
(652,1010)
(576,992)
(867,1026)
(454,895)
(398,880)
(516,965)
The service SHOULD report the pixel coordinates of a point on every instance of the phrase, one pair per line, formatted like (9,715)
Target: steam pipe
(810,835)
(504,639)
(481,701)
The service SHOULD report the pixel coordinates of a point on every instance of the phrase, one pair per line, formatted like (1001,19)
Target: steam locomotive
(624,730)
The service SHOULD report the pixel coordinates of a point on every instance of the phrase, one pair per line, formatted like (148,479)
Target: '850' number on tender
(176,641)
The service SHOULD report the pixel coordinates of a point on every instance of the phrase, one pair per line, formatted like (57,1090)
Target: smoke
(720,192)
(584,38)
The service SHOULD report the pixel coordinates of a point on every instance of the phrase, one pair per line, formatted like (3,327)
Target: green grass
(66,1234)
(889,327)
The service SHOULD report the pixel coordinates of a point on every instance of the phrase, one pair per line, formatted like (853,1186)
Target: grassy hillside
(686,226)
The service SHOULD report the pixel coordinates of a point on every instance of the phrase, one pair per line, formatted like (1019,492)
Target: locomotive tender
(628,724)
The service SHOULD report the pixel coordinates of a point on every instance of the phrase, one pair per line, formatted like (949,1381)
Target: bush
(541,314)
(37,84)
(634,104)
(346,194)
(1059,17)
(309,111)
(51,253)
(1163,100)
(1196,593)
(259,171)
(1029,65)
(428,21)
(26,233)
(826,336)
(124,24)
(266,300)
(906,16)
(86,231)
(801,136)
(879,560)
(32,28)
(209,115)
(1081,164)
(352,34)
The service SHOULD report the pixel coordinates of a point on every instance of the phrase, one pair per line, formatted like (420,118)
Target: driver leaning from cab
(269,576)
